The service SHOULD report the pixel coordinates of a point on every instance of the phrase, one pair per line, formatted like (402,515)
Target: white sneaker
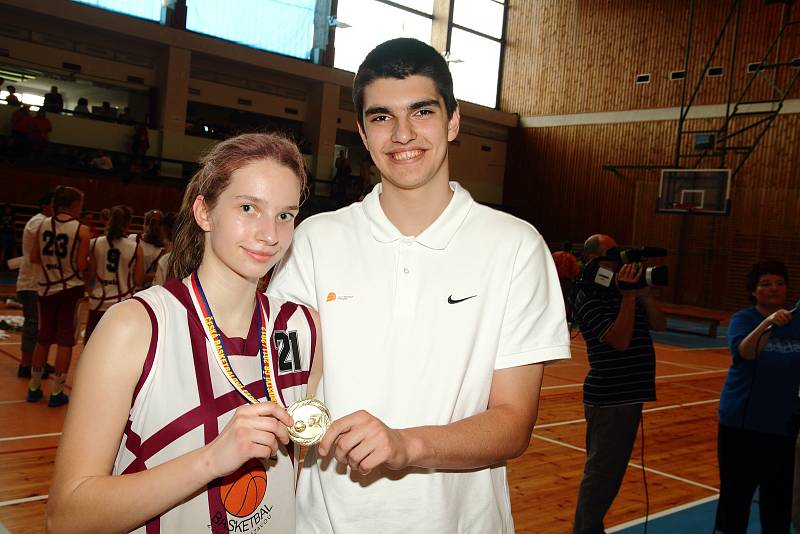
(11,303)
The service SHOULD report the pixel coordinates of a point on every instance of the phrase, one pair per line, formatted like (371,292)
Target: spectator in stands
(53,101)
(11,98)
(140,142)
(616,324)
(101,161)
(82,108)
(758,407)
(8,236)
(340,179)
(125,117)
(21,125)
(105,111)
(40,132)
(28,287)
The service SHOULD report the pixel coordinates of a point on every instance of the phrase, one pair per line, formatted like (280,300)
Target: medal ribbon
(215,340)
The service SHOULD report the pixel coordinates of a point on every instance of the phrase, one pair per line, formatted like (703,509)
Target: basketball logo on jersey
(243,490)
(242,493)
(288,351)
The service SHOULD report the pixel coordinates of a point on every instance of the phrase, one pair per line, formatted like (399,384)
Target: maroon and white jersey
(58,245)
(113,271)
(151,253)
(183,400)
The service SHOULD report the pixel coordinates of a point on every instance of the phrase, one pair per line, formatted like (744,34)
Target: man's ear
(201,213)
(454,124)
(362,134)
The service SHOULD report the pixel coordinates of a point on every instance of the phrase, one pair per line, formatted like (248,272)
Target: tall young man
(438,314)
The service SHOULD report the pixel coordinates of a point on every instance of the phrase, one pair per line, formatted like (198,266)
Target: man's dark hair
(401,58)
(46,199)
(763,268)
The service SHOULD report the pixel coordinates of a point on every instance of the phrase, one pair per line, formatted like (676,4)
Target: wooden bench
(712,318)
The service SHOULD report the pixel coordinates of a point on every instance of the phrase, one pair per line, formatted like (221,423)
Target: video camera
(595,273)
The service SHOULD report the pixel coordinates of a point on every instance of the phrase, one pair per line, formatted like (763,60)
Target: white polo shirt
(412,330)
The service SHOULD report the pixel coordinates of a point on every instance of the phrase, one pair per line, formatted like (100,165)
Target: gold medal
(311,421)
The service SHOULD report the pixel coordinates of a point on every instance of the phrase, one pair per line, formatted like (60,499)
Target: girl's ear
(201,213)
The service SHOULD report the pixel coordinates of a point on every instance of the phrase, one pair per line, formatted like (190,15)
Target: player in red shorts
(62,252)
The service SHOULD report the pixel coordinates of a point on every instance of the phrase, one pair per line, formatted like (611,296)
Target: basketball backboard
(694,191)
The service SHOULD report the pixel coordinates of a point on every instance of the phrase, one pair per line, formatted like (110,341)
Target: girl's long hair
(153,232)
(210,181)
(118,223)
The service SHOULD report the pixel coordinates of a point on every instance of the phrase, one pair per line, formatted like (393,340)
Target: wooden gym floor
(680,443)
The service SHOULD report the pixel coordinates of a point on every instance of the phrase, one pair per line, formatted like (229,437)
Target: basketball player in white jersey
(151,242)
(62,252)
(28,287)
(176,448)
(116,266)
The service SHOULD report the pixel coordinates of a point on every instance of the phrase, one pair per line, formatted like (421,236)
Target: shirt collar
(436,236)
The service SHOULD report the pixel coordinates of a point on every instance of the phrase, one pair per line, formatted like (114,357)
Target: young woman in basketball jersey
(160,437)
(62,252)
(116,266)
(152,243)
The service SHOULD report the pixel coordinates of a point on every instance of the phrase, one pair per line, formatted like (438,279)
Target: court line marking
(11,401)
(676,375)
(637,466)
(662,513)
(34,449)
(15,358)
(30,436)
(12,502)
(688,366)
(648,410)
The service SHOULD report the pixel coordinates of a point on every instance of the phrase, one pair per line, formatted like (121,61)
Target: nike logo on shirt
(451,300)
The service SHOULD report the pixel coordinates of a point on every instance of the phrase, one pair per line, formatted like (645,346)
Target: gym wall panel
(555,180)
(580,56)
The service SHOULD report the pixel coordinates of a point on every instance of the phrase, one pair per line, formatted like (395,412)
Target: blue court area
(688,340)
(693,519)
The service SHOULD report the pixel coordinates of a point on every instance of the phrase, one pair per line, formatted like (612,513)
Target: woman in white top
(116,266)
(160,436)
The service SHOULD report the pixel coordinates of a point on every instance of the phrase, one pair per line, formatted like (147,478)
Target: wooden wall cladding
(25,186)
(555,180)
(579,56)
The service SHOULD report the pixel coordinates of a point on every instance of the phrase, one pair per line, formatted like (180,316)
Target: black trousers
(750,460)
(610,434)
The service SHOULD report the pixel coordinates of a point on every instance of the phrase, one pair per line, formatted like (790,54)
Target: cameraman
(616,326)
